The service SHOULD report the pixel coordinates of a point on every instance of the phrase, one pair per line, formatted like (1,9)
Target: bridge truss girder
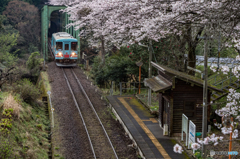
(45,24)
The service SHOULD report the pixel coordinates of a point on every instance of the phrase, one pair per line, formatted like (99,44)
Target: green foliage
(5,125)
(34,63)
(7,28)
(201,68)
(6,149)
(6,122)
(39,126)
(198,155)
(3,5)
(25,18)
(27,90)
(7,113)
(32,48)
(6,44)
(97,72)
(120,67)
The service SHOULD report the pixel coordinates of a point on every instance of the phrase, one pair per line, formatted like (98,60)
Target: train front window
(59,45)
(66,46)
(74,46)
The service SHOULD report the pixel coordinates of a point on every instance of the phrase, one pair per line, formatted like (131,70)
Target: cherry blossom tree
(129,21)
(122,22)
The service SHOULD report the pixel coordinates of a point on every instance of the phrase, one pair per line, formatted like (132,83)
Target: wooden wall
(183,91)
(186,92)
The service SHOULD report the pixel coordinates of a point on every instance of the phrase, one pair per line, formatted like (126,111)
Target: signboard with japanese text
(192,133)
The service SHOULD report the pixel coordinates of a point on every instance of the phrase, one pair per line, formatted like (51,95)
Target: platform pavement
(144,128)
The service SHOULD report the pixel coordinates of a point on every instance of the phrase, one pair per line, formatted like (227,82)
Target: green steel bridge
(52,20)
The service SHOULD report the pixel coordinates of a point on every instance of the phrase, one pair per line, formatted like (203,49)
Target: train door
(66,51)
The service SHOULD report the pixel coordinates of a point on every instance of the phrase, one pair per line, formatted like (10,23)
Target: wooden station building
(179,93)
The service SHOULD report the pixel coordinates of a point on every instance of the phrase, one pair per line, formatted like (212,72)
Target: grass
(45,80)
(24,138)
(217,78)
(9,102)
(112,114)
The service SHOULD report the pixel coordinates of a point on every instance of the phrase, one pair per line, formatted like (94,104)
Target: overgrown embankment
(24,124)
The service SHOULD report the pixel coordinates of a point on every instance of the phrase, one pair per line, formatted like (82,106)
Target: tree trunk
(191,57)
(192,45)
(103,51)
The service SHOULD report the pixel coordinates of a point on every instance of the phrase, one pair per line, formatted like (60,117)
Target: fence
(222,148)
(130,84)
(223,82)
(219,151)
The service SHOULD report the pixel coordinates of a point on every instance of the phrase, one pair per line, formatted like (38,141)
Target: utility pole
(150,72)
(205,94)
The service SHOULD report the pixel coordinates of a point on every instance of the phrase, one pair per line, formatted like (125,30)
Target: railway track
(99,141)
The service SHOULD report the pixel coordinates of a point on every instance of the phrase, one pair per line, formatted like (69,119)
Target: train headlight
(73,54)
(59,53)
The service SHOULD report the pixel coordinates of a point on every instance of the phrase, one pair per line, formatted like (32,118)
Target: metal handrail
(213,77)
(223,80)
(134,88)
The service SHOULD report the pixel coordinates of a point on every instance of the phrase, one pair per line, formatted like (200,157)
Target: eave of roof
(158,83)
(183,76)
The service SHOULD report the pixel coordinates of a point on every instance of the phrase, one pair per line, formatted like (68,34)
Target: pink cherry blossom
(177,148)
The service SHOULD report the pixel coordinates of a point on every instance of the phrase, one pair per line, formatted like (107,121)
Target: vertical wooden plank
(171,117)
(173,82)
(160,110)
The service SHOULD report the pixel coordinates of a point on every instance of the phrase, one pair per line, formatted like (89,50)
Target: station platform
(143,128)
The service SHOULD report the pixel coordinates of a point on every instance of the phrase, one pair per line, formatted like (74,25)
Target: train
(64,49)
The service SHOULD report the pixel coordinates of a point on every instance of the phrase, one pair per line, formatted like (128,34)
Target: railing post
(120,88)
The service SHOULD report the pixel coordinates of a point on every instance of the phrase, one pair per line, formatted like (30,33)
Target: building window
(189,108)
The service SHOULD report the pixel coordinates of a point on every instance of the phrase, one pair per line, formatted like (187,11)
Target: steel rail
(76,104)
(90,103)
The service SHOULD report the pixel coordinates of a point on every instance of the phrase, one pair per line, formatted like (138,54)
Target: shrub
(27,90)
(34,64)
(39,126)
(6,150)
(10,104)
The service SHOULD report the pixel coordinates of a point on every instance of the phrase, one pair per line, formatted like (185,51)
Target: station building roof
(167,76)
